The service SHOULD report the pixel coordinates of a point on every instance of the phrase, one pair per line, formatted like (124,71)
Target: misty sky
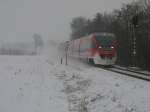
(20,19)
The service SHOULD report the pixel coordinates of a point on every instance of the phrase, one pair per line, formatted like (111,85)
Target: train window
(76,45)
(93,45)
(85,44)
(89,44)
(82,46)
(105,40)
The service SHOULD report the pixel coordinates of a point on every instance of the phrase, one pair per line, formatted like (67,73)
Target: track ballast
(129,72)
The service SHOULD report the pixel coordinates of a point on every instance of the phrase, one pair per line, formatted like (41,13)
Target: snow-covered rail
(135,70)
(130,72)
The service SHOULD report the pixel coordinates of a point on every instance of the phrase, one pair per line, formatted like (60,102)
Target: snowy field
(42,84)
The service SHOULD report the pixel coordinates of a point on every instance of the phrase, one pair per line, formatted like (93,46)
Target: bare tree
(38,42)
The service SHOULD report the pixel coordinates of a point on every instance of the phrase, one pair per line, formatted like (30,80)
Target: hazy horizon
(20,19)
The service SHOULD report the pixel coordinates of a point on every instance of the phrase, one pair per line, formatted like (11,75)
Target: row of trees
(120,22)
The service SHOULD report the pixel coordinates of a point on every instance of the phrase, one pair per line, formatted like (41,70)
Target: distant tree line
(120,22)
(34,47)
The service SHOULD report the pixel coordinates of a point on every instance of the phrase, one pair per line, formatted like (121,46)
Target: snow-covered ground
(42,84)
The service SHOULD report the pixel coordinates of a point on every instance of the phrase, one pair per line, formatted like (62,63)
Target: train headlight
(100,47)
(112,47)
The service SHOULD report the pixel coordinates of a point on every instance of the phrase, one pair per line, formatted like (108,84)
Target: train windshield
(105,40)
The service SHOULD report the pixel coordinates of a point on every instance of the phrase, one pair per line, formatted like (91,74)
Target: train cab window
(105,40)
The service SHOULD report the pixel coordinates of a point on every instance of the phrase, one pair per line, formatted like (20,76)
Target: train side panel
(99,50)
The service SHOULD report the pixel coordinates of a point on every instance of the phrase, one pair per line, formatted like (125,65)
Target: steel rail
(129,73)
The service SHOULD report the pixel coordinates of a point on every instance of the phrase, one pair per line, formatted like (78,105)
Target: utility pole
(66,51)
(134,26)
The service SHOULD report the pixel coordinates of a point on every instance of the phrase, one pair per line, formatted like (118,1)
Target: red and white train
(96,48)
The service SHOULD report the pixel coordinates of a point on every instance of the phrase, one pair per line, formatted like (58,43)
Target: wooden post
(66,58)
(66,54)
(61,60)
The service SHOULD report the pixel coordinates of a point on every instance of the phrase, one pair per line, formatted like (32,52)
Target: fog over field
(20,19)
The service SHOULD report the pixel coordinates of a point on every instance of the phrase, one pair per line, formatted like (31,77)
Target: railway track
(130,72)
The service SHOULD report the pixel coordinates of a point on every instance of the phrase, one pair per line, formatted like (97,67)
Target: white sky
(20,19)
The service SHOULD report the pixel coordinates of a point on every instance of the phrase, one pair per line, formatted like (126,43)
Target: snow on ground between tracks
(42,84)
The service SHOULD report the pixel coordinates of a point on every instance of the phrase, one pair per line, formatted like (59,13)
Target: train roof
(103,34)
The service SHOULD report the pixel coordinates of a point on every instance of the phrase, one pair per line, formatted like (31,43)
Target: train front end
(106,49)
